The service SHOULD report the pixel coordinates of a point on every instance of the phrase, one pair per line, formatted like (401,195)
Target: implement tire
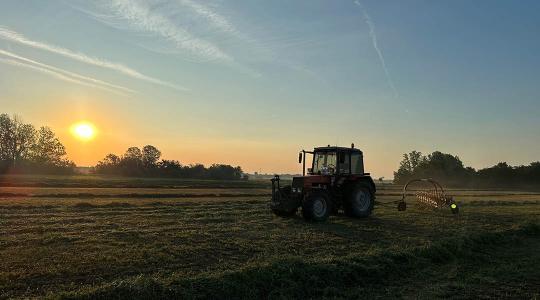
(359,202)
(316,207)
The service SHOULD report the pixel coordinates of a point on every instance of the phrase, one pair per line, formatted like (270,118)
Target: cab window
(324,163)
(357,166)
(344,163)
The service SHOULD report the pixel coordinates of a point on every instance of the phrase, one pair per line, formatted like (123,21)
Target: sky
(252,82)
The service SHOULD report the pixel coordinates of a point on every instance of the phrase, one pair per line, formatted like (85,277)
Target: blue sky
(252,82)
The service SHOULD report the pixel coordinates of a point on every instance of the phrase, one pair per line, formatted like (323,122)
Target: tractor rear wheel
(359,203)
(316,207)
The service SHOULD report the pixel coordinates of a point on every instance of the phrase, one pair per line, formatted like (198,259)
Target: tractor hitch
(284,202)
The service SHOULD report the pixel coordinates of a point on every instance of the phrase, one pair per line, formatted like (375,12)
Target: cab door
(344,163)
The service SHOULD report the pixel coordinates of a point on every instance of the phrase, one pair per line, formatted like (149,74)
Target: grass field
(91,237)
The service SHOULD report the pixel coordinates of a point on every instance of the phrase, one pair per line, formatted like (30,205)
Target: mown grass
(358,276)
(233,247)
(99,181)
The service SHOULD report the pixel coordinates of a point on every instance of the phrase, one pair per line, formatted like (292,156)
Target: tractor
(336,180)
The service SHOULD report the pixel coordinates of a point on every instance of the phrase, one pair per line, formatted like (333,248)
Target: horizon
(251,84)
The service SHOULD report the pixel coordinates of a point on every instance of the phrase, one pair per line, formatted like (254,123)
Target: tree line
(450,170)
(146,162)
(25,149)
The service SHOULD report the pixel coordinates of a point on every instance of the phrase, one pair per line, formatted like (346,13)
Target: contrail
(65,72)
(55,74)
(373,36)
(19,38)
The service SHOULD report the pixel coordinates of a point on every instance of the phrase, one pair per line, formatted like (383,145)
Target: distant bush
(23,149)
(449,169)
(145,163)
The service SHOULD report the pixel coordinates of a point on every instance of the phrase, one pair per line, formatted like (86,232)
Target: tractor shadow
(419,225)
(341,226)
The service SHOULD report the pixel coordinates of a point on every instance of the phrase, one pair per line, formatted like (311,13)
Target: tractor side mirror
(300,157)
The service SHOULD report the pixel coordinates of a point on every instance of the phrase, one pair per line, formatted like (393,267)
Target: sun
(83,131)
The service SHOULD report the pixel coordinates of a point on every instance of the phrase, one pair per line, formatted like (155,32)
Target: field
(90,237)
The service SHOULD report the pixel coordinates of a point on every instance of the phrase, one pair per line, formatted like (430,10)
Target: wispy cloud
(76,77)
(373,36)
(13,36)
(215,19)
(140,16)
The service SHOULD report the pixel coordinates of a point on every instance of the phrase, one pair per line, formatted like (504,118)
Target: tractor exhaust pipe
(302,159)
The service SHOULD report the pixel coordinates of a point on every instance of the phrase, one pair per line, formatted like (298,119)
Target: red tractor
(336,180)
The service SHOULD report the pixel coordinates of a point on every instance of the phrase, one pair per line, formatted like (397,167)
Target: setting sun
(83,131)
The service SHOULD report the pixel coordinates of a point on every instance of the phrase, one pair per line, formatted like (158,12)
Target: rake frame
(434,198)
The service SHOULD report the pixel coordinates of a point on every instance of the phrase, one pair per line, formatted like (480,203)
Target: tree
(444,167)
(16,139)
(408,166)
(25,150)
(145,163)
(109,165)
(25,137)
(437,165)
(131,162)
(133,153)
(220,171)
(48,149)
(170,168)
(112,160)
(6,137)
(150,156)
(195,171)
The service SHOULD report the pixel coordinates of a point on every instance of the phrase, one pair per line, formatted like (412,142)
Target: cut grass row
(383,274)
(50,246)
(98,181)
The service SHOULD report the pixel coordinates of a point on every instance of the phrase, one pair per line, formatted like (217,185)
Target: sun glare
(83,131)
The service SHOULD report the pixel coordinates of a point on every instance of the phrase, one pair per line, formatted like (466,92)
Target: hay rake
(433,197)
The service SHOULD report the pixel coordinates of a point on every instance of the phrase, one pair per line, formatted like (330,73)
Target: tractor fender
(366,181)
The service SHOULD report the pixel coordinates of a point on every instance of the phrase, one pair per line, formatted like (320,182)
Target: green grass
(196,243)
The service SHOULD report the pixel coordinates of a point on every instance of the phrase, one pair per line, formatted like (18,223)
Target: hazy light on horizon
(251,84)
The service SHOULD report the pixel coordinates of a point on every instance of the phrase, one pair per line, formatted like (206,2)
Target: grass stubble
(208,246)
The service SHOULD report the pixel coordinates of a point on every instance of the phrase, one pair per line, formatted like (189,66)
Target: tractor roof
(335,148)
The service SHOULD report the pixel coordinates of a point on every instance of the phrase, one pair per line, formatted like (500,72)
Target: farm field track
(129,243)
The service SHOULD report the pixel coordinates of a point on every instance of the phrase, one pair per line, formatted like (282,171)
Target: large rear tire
(316,207)
(359,203)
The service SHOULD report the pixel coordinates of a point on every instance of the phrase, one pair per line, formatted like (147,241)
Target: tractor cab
(335,180)
(334,161)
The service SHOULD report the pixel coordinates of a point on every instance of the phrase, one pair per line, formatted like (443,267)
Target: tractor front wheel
(359,203)
(316,207)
